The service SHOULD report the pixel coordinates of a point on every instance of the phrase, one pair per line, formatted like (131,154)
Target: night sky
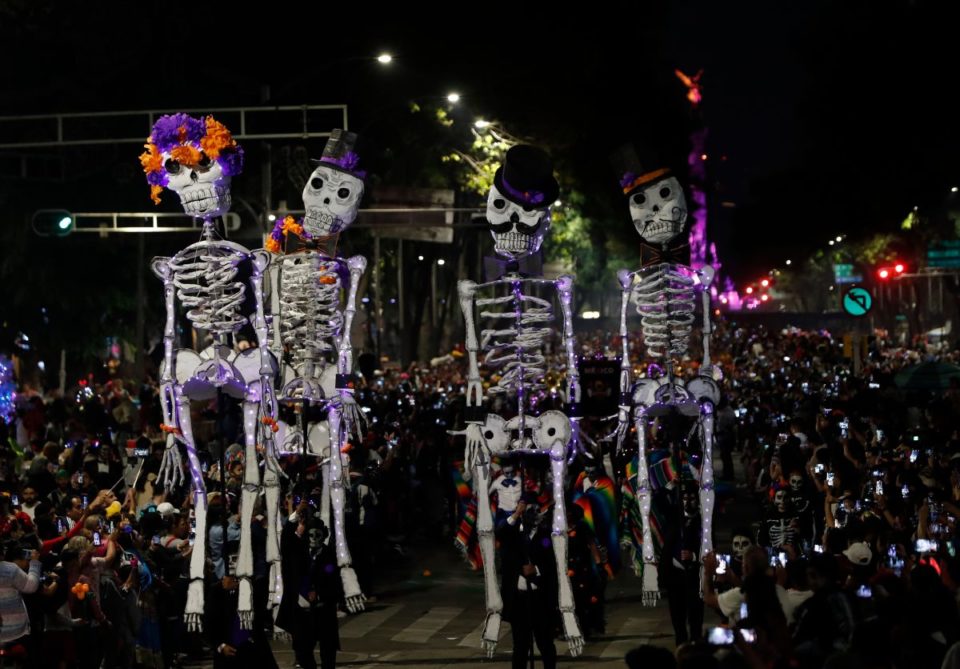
(832,117)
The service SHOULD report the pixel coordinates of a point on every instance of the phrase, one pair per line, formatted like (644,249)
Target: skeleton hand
(571,631)
(491,633)
(352,415)
(171,466)
(475,452)
(351,590)
(623,425)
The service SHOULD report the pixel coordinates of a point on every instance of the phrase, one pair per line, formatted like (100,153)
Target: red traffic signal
(884,273)
(899,268)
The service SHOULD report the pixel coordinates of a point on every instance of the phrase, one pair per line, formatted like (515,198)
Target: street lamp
(384,59)
(441,262)
(480,124)
(789,262)
(453,98)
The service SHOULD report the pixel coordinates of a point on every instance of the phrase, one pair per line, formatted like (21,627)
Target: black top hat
(339,153)
(526,177)
(634,172)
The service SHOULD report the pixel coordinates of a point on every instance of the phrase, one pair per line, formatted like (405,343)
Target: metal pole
(433,294)
(377,296)
(141,298)
(400,285)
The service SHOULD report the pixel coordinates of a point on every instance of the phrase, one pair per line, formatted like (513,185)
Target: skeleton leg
(651,591)
(351,588)
(251,490)
(193,613)
(571,630)
(706,482)
(491,627)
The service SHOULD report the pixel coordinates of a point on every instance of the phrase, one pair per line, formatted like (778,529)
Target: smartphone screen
(96,538)
(720,636)
(749,636)
(830,478)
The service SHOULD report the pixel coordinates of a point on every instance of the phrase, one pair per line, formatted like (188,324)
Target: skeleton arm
(706,274)
(565,288)
(623,415)
(474,418)
(171,467)
(352,415)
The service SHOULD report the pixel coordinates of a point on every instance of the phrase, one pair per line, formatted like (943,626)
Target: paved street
(429,613)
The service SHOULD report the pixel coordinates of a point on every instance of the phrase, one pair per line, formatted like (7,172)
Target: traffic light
(52,223)
(891,271)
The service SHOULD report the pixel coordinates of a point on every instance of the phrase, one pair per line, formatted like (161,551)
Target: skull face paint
(331,199)
(741,544)
(516,231)
(796,481)
(659,210)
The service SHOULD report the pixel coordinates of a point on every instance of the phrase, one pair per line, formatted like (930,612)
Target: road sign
(843,273)
(857,302)
(944,254)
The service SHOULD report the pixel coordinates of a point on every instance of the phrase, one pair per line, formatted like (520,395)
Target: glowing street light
(789,262)
(954,189)
(419,257)
(441,262)
(480,124)
(832,242)
(839,238)
(453,98)
(384,59)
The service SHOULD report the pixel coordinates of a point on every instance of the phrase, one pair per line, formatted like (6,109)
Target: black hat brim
(550,195)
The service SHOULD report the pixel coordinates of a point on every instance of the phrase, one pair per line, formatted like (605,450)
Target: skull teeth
(318,221)
(205,200)
(513,242)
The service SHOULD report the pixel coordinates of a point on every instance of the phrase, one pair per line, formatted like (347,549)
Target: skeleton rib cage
(310,315)
(205,278)
(517,350)
(665,299)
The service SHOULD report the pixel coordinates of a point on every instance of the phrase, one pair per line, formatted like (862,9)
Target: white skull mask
(204,189)
(516,231)
(659,210)
(741,544)
(331,199)
(796,482)
(780,500)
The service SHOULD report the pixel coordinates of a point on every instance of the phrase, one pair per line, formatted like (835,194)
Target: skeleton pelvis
(661,396)
(703,388)
(538,432)
(290,438)
(296,385)
(200,374)
(248,363)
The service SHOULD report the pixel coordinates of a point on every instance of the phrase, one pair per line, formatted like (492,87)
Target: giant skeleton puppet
(663,292)
(196,158)
(314,328)
(518,213)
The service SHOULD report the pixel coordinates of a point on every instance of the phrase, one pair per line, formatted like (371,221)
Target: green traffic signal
(52,222)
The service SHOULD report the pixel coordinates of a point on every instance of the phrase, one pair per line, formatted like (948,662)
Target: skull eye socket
(204,163)
(499,203)
(488,435)
(639,199)
(664,192)
(172,166)
(316,183)
(343,193)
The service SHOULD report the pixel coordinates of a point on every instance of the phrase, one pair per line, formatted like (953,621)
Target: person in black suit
(311,587)
(529,586)
(680,563)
